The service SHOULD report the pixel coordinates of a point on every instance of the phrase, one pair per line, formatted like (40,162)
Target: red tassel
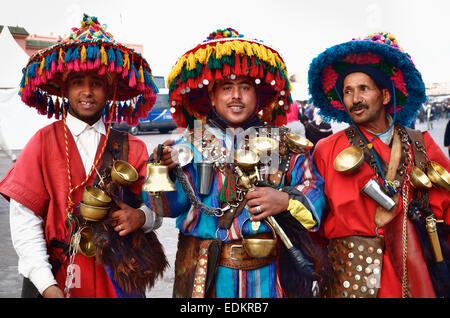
(237,65)
(226,69)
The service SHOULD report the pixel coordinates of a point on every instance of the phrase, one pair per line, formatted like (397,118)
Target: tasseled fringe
(82,56)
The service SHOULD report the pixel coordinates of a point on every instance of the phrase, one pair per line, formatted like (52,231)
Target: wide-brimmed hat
(227,54)
(90,48)
(378,55)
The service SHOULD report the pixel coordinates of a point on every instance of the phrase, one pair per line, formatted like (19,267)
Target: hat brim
(220,59)
(44,75)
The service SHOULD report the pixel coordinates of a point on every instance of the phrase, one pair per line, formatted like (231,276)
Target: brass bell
(158,179)
(86,245)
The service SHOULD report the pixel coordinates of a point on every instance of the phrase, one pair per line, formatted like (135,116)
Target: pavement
(11,280)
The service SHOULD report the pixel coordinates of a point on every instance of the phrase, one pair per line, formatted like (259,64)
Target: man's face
(364,101)
(234,99)
(87,96)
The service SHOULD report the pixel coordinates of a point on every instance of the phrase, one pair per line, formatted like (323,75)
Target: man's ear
(386,96)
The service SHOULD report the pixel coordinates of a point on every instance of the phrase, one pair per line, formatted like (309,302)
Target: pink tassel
(97,63)
(76,65)
(111,67)
(132,81)
(69,66)
(102,70)
(83,66)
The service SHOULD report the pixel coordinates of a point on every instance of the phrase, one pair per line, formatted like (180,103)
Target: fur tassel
(137,259)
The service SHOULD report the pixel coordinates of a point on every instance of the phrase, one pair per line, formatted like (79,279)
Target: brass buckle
(231,251)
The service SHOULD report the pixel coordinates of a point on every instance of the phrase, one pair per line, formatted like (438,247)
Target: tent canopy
(13,60)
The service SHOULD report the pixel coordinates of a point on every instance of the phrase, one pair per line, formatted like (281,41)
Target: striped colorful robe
(263,282)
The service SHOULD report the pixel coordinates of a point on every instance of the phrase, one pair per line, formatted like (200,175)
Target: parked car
(159,118)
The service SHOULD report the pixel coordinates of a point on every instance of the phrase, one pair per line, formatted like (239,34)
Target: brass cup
(96,197)
(438,175)
(263,145)
(246,158)
(123,173)
(93,213)
(349,160)
(86,246)
(260,248)
(297,143)
(419,179)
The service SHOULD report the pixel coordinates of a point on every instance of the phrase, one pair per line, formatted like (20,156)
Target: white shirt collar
(77,126)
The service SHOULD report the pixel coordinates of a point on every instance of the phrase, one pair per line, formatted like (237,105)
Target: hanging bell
(158,179)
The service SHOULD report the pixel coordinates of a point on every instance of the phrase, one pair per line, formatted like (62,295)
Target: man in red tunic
(46,184)
(378,242)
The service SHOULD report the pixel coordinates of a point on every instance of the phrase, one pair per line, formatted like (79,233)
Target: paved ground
(11,281)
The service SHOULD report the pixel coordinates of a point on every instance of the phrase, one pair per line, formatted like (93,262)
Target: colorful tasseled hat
(379,56)
(226,53)
(90,48)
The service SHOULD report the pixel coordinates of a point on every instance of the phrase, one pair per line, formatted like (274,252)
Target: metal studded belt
(356,262)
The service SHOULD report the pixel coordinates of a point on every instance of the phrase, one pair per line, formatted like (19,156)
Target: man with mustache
(79,81)
(376,214)
(223,91)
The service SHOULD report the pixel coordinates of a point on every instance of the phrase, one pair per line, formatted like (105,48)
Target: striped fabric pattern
(261,282)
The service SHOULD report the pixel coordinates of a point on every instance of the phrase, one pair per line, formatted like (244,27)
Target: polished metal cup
(373,190)
(205,172)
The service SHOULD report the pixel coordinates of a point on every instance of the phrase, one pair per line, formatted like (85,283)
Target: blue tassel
(67,57)
(111,56)
(119,61)
(75,54)
(90,53)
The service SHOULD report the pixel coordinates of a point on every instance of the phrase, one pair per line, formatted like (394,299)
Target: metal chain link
(73,247)
(405,197)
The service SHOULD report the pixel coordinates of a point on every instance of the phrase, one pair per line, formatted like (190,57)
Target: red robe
(39,181)
(352,213)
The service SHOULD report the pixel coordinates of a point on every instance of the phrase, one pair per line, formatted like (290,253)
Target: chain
(180,175)
(405,200)
(73,247)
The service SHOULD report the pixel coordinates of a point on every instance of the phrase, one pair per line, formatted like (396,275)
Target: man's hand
(269,201)
(167,156)
(53,292)
(127,219)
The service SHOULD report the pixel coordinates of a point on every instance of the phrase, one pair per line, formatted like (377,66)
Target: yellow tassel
(141,75)
(104,56)
(41,67)
(191,62)
(83,54)
(126,61)
(248,48)
(60,55)
(176,70)
(201,55)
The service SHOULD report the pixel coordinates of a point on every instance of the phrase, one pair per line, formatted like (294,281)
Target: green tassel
(228,191)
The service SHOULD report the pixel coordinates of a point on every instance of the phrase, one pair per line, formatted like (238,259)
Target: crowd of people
(265,208)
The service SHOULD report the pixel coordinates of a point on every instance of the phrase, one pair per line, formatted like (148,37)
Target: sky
(298,29)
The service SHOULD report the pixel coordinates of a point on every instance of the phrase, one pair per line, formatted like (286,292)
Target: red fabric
(352,213)
(292,114)
(39,181)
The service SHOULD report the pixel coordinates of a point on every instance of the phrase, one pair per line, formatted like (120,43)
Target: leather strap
(198,290)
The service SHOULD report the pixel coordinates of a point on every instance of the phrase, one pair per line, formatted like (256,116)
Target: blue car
(159,118)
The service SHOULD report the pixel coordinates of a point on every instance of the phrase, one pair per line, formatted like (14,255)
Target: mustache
(358,106)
